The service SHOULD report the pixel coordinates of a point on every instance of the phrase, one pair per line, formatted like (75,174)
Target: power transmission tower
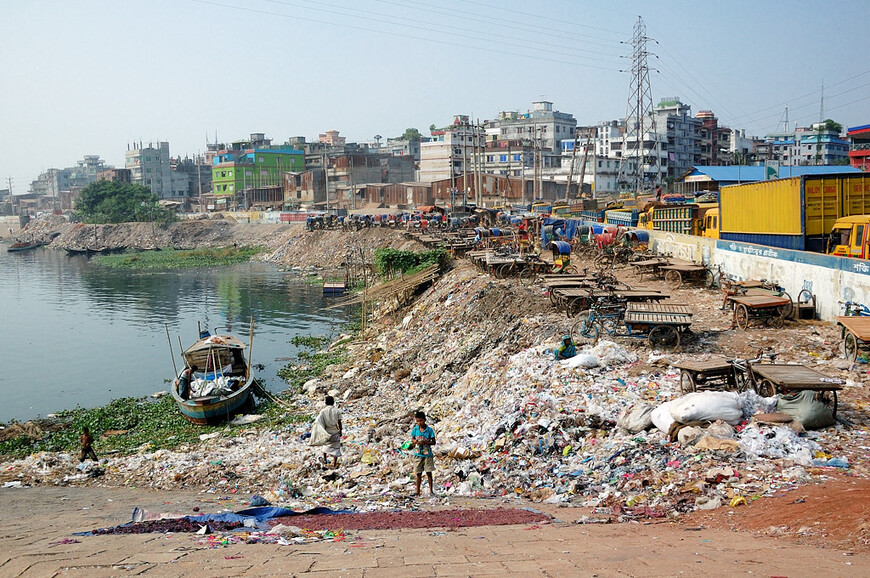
(631,174)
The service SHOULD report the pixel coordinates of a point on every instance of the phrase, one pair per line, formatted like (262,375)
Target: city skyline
(89,78)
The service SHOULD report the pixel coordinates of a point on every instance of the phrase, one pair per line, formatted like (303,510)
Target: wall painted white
(831,279)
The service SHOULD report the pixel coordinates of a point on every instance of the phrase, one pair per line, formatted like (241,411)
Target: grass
(133,424)
(175,259)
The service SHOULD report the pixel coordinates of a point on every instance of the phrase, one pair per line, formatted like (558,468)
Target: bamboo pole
(172,355)
(250,349)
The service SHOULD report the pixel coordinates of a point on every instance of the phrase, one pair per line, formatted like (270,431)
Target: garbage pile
(606,430)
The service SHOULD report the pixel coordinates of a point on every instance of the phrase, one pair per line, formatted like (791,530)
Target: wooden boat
(24,246)
(222,384)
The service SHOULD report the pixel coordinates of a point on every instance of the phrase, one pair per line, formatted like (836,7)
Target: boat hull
(214,409)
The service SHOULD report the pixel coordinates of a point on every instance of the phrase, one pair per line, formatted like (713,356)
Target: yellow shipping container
(856,195)
(822,201)
(766,207)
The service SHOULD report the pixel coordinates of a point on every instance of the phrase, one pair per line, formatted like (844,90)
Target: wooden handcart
(677,274)
(771,378)
(768,308)
(575,299)
(648,267)
(662,323)
(714,373)
(855,332)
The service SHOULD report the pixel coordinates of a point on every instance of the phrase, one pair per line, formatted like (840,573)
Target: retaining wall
(831,279)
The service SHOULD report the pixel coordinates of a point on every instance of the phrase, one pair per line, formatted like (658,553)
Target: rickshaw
(561,255)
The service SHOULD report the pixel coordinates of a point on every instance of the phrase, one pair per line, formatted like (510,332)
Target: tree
(411,134)
(114,202)
(432,128)
(834,126)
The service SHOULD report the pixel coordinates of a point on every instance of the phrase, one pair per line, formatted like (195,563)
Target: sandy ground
(39,526)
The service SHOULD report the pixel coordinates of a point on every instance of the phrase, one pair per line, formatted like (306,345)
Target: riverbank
(473,352)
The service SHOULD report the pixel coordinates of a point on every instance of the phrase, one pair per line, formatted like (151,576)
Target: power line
(428,26)
(400,35)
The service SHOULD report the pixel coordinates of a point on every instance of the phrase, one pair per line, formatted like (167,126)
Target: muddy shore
(471,350)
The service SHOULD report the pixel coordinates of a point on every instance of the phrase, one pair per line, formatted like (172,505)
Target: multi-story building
(331,139)
(239,173)
(115,175)
(859,149)
(53,182)
(451,151)
(623,163)
(151,167)
(714,141)
(815,145)
(674,119)
(543,124)
(198,174)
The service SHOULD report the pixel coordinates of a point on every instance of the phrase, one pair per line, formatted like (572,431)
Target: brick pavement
(34,520)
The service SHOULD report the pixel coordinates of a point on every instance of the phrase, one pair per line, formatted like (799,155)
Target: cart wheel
(765,388)
(575,306)
(553,299)
(638,273)
(609,324)
(583,330)
(709,279)
(687,382)
(571,270)
(850,347)
(788,308)
(778,321)
(741,316)
(528,276)
(664,337)
(673,279)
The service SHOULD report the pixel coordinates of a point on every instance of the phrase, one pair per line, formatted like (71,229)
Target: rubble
(511,422)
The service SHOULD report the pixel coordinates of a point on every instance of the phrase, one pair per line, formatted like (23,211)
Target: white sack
(661,417)
(584,360)
(636,418)
(707,405)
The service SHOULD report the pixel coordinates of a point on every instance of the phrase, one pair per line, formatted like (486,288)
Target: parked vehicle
(793,213)
(850,237)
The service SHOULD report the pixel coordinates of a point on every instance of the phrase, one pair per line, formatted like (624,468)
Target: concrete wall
(830,279)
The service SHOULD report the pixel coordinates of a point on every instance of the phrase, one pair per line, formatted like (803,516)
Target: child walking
(87,446)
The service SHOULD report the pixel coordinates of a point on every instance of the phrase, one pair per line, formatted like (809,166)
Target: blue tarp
(257,516)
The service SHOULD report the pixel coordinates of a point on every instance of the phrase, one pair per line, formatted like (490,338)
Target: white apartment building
(151,167)
(451,151)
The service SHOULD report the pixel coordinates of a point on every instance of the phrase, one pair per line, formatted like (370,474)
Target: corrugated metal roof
(733,174)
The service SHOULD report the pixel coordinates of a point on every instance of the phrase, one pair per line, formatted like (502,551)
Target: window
(262,160)
(502,158)
(517,158)
(147,170)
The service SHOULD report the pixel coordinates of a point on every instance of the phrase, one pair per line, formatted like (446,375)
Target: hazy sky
(89,76)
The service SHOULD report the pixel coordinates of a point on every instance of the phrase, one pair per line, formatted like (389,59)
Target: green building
(237,171)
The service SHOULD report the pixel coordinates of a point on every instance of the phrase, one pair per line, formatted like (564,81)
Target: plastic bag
(707,405)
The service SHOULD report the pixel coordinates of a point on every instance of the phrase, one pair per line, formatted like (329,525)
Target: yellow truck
(849,237)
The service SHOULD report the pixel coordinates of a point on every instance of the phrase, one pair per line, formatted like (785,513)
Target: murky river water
(75,333)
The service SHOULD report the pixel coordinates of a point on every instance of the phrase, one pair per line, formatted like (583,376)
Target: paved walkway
(34,520)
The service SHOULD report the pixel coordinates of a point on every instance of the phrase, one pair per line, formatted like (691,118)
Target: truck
(791,213)
(850,237)
(686,219)
(621,217)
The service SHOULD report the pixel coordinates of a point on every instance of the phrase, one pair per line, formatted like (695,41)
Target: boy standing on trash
(422,440)
(87,446)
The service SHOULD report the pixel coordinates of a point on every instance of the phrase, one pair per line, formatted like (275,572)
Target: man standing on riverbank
(330,420)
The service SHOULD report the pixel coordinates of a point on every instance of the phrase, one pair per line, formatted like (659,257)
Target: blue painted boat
(222,383)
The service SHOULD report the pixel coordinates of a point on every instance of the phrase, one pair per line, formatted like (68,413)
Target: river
(78,334)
